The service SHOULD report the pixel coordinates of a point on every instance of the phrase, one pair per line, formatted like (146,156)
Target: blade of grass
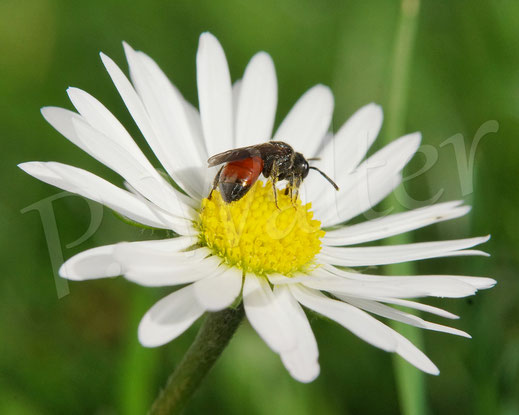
(139,365)
(410,381)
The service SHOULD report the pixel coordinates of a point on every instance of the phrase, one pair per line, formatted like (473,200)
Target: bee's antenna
(313,158)
(326,177)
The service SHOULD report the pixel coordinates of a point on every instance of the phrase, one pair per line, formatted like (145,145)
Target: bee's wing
(235,155)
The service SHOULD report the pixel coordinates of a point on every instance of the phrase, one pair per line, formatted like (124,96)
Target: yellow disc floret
(255,235)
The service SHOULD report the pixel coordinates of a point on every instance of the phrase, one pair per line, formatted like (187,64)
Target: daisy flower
(275,260)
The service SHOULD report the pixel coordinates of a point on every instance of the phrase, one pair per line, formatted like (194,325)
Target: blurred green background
(80,355)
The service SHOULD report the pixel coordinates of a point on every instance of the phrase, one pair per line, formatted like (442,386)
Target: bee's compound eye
(305,169)
(301,165)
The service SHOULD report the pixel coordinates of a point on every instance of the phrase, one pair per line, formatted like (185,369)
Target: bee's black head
(300,166)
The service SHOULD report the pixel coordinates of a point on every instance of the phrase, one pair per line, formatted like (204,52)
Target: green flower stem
(139,365)
(211,340)
(410,381)
(402,57)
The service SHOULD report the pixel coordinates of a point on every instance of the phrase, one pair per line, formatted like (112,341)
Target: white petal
(266,315)
(302,361)
(93,187)
(389,289)
(417,306)
(142,177)
(394,224)
(381,255)
(280,279)
(478,283)
(102,121)
(366,193)
(357,321)
(96,114)
(61,120)
(172,138)
(344,151)
(161,147)
(169,317)
(402,287)
(91,264)
(413,355)
(398,315)
(195,122)
(104,261)
(321,280)
(315,186)
(214,95)
(184,143)
(353,140)
(130,97)
(152,265)
(113,154)
(364,326)
(220,290)
(308,121)
(393,157)
(257,102)
(186,269)
(159,246)
(373,180)
(236,88)
(196,144)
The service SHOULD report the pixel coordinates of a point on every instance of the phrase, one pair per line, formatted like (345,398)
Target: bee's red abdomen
(245,171)
(237,177)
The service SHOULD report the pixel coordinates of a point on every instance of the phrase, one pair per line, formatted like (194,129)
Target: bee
(275,159)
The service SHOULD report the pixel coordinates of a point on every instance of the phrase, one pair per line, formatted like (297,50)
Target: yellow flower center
(256,236)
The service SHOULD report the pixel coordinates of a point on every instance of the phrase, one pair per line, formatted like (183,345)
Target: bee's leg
(216,181)
(274,173)
(293,196)
(291,189)
(275,192)
(296,185)
(296,195)
(288,189)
